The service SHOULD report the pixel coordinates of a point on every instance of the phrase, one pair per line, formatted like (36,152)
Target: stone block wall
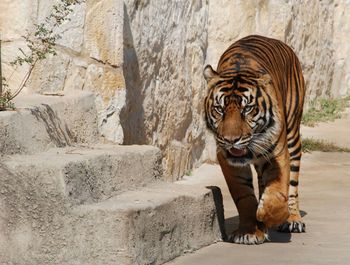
(144,60)
(166,49)
(89,54)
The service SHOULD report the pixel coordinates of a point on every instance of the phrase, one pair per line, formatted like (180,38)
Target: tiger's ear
(209,73)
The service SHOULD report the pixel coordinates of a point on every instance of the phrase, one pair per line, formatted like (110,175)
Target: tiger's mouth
(235,152)
(238,156)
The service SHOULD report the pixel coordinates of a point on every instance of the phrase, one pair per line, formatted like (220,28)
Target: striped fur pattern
(254,107)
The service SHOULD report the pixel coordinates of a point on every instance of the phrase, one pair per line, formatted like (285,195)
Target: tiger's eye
(219,109)
(248,109)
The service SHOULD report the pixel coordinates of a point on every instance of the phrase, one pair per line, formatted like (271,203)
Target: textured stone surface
(71,30)
(109,117)
(341,25)
(52,81)
(15,26)
(150,225)
(89,55)
(91,174)
(43,122)
(223,26)
(104,31)
(9,52)
(309,29)
(165,51)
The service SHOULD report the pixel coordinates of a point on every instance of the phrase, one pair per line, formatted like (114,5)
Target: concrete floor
(337,132)
(324,201)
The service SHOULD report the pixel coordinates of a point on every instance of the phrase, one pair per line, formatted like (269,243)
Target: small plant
(5,94)
(5,98)
(189,173)
(40,43)
(309,145)
(323,110)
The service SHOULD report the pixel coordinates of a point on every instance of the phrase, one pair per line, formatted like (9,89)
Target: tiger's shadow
(231,224)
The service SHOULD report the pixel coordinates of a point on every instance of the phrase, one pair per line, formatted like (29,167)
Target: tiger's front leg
(273,205)
(295,223)
(239,181)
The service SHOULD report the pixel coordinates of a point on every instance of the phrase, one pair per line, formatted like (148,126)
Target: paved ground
(325,204)
(337,132)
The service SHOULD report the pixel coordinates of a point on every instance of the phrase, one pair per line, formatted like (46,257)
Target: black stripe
(263,105)
(242,89)
(297,158)
(289,129)
(295,152)
(258,93)
(295,134)
(220,82)
(295,141)
(294,168)
(226,89)
(294,183)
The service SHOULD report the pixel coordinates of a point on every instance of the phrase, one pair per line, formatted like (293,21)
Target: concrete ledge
(150,225)
(159,224)
(78,175)
(42,122)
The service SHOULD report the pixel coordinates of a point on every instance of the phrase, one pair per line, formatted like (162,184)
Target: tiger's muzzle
(237,153)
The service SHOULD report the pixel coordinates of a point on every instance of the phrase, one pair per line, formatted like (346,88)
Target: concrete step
(42,122)
(78,175)
(150,225)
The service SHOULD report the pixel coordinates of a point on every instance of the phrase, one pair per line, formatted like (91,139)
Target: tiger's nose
(232,138)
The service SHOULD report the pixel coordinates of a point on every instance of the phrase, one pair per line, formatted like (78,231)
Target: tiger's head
(241,111)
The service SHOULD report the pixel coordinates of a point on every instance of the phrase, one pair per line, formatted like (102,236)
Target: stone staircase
(67,198)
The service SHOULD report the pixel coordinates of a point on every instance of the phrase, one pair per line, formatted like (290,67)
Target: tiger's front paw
(294,224)
(272,209)
(256,238)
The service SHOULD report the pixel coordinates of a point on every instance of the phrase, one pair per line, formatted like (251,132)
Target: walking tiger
(253,107)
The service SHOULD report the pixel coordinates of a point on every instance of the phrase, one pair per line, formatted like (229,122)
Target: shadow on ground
(231,224)
(227,226)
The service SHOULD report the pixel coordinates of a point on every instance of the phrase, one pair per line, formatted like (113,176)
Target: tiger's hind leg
(240,183)
(294,223)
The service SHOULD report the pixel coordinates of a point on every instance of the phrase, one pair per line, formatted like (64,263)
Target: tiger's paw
(294,224)
(292,227)
(256,238)
(272,209)
(248,239)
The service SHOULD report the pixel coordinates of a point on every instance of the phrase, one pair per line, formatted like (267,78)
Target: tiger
(253,107)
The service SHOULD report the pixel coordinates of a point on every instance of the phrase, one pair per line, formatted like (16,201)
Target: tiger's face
(241,115)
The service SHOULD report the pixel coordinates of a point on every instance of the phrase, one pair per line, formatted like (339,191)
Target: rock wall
(90,54)
(144,60)
(341,26)
(165,51)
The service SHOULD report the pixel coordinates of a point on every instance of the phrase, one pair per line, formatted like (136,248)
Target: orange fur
(254,107)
